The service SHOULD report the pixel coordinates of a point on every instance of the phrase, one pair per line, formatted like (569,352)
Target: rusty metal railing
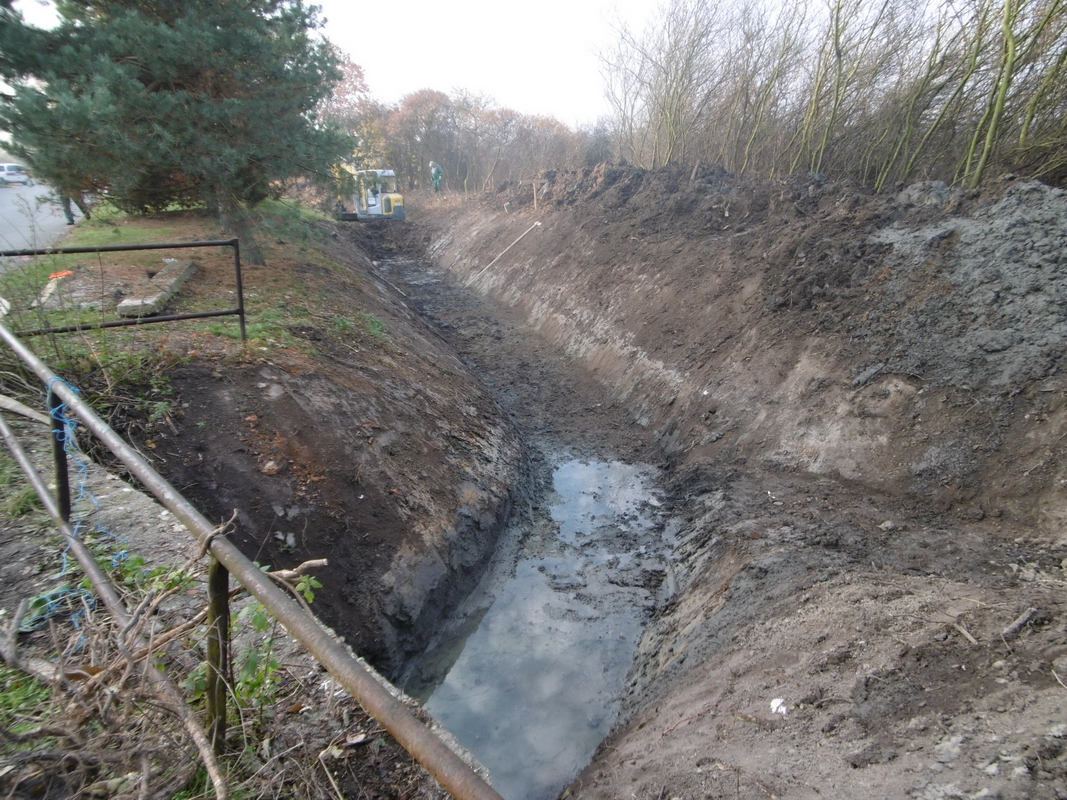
(451,771)
(239,312)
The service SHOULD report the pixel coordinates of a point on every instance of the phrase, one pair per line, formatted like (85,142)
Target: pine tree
(163,102)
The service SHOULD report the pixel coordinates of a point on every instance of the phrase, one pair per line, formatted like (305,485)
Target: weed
(22,502)
(341,326)
(200,788)
(134,573)
(373,326)
(22,699)
(19,498)
(256,669)
(306,586)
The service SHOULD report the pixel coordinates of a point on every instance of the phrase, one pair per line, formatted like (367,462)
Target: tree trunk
(234,221)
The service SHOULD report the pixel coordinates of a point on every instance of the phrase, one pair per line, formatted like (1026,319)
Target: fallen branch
(1016,627)
(11,404)
(286,575)
(35,667)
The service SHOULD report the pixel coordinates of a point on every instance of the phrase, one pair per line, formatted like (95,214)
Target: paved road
(28,219)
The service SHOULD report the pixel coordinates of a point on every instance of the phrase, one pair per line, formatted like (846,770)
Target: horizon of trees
(877,91)
(479,145)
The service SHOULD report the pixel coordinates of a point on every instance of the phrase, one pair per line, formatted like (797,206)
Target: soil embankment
(366,442)
(861,400)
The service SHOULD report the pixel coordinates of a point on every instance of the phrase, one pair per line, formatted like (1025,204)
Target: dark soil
(859,407)
(859,399)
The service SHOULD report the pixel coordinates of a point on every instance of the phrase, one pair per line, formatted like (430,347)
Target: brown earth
(858,402)
(862,404)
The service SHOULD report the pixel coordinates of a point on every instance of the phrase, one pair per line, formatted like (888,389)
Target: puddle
(529,674)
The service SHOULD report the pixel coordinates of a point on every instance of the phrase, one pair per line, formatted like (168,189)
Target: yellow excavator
(374,196)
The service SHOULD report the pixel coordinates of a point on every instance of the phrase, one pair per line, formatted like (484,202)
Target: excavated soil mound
(862,403)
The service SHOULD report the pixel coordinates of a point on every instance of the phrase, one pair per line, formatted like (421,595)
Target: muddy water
(528,673)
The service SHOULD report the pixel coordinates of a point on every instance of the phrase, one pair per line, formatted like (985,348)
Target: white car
(14,173)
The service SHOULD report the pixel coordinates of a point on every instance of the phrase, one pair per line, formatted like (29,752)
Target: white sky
(536,58)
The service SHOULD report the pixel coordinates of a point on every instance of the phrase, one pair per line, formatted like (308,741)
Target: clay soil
(857,402)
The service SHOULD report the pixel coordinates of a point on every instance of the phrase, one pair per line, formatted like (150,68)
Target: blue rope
(62,600)
(66,434)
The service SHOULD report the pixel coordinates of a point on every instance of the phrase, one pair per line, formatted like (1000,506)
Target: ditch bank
(860,400)
(360,438)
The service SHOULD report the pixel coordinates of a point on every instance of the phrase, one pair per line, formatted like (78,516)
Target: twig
(37,667)
(286,578)
(336,788)
(1058,679)
(286,575)
(222,529)
(1013,630)
(43,730)
(739,772)
(966,635)
(9,639)
(766,725)
(683,720)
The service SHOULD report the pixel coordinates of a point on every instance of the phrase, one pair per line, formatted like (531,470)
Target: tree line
(878,91)
(162,103)
(479,145)
(218,103)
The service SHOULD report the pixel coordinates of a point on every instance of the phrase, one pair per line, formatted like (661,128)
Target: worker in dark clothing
(64,202)
(76,198)
(437,175)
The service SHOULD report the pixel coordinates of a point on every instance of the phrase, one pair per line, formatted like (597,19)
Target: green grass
(22,698)
(372,326)
(18,497)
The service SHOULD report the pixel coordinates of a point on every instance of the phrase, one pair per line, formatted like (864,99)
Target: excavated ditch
(529,671)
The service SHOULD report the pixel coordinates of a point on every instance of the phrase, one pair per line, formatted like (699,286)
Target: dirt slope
(360,438)
(863,405)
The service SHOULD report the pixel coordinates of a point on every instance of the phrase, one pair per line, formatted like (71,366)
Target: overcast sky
(536,58)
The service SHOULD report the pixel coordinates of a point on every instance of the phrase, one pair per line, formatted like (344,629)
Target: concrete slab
(152,297)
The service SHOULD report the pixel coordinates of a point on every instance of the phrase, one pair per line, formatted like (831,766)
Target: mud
(529,673)
(859,401)
(856,407)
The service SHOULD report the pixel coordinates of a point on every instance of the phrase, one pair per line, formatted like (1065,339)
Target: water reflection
(536,685)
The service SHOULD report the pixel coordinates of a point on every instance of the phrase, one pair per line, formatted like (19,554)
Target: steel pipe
(451,771)
(118,248)
(106,591)
(125,323)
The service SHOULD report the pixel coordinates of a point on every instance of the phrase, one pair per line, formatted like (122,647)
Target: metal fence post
(58,417)
(218,652)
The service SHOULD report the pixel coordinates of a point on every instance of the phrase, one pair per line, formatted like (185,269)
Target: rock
(925,193)
(992,341)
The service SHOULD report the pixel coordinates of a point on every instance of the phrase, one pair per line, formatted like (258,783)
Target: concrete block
(153,296)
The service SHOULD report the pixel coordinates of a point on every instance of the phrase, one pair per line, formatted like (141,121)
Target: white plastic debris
(778,706)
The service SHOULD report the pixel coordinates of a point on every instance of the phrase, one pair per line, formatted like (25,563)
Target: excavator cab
(374,196)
